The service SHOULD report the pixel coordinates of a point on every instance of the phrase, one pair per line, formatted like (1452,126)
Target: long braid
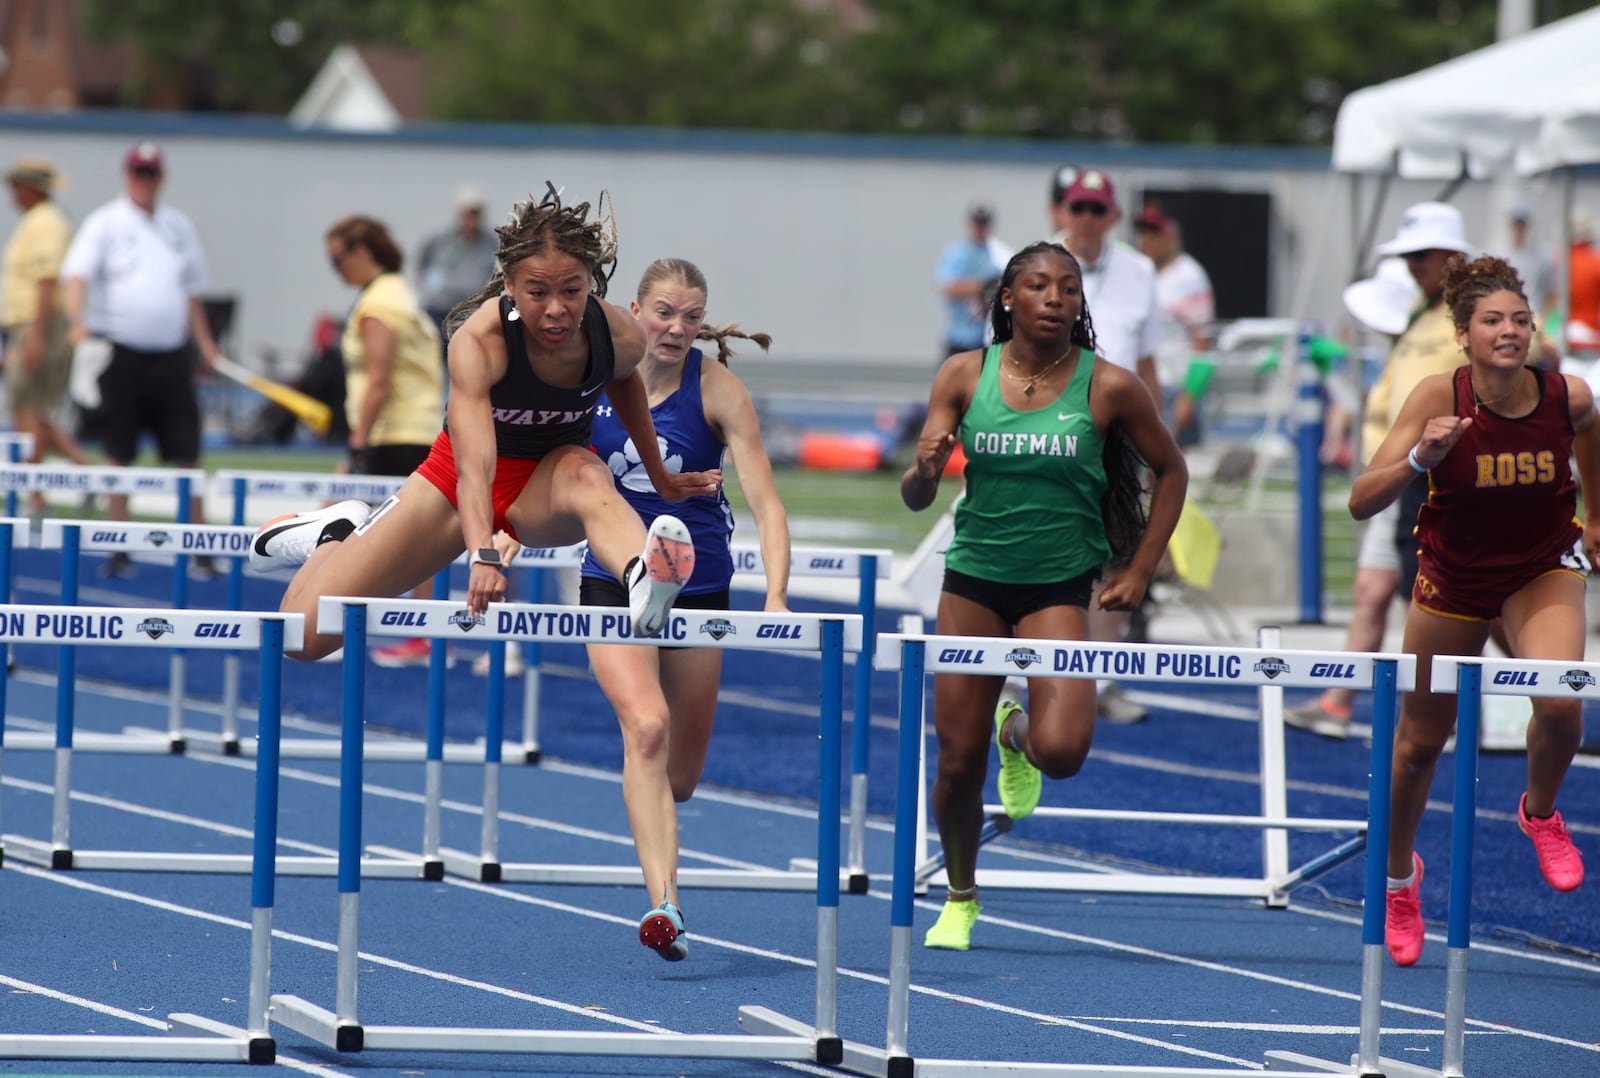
(540,226)
(720,334)
(1122,507)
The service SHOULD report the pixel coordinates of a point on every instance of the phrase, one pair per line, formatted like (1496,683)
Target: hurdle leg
(900,1063)
(531,678)
(349,1034)
(230,704)
(1469,715)
(433,769)
(1384,705)
(177,676)
(493,741)
(1274,783)
(861,731)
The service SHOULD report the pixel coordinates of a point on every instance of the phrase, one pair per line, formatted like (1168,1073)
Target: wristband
(1417,463)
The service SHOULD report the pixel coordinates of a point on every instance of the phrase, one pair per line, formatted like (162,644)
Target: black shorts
(1013,602)
(598,591)
(150,391)
(389,459)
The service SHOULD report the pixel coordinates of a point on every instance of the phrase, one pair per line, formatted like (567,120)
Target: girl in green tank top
(1032,476)
(1052,437)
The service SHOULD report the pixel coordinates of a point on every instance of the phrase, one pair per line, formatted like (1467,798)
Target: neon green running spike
(953,930)
(1020,782)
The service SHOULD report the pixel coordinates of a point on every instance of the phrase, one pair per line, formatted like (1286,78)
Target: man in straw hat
(38,357)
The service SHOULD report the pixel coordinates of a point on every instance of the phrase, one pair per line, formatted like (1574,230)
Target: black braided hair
(538,226)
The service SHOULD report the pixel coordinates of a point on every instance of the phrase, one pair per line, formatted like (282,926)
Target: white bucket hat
(1428,226)
(1383,302)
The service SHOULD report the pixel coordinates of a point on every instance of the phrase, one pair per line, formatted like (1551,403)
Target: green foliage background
(1199,71)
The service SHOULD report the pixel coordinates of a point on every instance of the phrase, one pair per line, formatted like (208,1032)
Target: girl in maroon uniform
(1498,537)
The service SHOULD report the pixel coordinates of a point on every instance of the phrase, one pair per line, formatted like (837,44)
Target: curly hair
(1466,282)
(544,225)
(686,273)
(1123,506)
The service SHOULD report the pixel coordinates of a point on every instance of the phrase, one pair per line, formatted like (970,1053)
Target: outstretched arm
(1586,452)
(731,413)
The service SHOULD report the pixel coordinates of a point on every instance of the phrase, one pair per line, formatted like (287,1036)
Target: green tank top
(1034,484)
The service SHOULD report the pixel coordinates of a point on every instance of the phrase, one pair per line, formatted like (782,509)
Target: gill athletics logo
(717,628)
(155,628)
(159,539)
(1576,680)
(465,620)
(1023,658)
(1271,666)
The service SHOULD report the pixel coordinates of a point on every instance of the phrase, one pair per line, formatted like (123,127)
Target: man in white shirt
(133,276)
(1119,288)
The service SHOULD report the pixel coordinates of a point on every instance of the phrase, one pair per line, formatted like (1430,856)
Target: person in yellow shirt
(38,356)
(394,380)
(1430,234)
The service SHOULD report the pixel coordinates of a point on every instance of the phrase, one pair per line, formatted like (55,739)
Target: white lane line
(1280,1027)
(29,988)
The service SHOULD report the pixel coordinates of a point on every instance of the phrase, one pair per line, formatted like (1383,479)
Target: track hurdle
(150,627)
(1274,823)
(341,1028)
(194,1038)
(866,566)
(910,655)
(1473,679)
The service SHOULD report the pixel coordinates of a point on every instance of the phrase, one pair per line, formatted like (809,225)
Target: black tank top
(530,417)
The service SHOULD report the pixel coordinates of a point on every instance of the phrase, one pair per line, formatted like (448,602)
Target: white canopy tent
(1529,104)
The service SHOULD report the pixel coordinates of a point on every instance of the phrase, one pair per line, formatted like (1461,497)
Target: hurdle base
(322,1026)
(1387,1068)
(472,866)
(260,1048)
(177,746)
(32,851)
(831,1050)
(61,859)
(858,883)
(231,747)
(489,872)
(901,1067)
(433,870)
(532,756)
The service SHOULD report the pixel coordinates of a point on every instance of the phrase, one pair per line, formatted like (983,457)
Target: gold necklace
(1030,381)
(1478,403)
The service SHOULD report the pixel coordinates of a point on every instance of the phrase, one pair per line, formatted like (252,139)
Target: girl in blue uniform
(666,698)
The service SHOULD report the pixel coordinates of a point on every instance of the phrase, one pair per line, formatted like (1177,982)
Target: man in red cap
(133,276)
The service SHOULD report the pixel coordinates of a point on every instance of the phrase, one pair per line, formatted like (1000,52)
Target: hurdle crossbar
(865,566)
(357,618)
(194,1039)
(916,655)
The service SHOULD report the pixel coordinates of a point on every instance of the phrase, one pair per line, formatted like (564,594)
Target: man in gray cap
(38,357)
(457,262)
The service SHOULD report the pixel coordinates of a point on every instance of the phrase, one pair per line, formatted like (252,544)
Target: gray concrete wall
(827,243)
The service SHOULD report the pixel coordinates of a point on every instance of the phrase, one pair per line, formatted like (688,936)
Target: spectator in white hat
(1429,234)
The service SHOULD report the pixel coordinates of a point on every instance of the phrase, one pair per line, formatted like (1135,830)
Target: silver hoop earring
(1006,308)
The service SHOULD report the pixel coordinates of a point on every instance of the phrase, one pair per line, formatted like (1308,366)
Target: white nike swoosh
(591,390)
(1064,416)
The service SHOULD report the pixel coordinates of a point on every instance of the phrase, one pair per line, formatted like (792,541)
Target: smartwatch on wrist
(485,556)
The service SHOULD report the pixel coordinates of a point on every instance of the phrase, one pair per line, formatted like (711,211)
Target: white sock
(1402,884)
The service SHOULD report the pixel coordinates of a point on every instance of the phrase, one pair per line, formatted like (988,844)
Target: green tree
(239,55)
(666,63)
